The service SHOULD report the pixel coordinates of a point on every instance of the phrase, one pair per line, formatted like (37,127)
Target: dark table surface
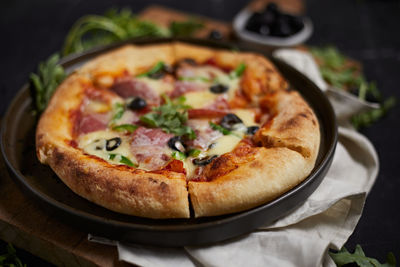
(368,31)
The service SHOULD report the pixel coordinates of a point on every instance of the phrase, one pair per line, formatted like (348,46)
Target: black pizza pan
(18,148)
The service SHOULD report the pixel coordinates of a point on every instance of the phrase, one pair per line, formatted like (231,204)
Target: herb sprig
(344,257)
(50,75)
(344,73)
(10,259)
(170,117)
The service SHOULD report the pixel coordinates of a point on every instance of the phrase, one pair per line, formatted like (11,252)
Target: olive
(204,161)
(176,143)
(137,103)
(215,35)
(252,129)
(113,143)
(219,88)
(229,120)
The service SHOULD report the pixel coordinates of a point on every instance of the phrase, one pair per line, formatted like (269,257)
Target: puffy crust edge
(273,172)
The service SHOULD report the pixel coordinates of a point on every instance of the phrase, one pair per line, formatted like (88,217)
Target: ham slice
(92,122)
(150,148)
(205,135)
(130,87)
(182,87)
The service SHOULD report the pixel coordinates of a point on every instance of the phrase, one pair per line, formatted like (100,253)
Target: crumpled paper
(302,238)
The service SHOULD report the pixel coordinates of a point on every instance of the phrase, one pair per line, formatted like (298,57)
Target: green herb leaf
(170,117)
(367,118)
(238,71)
(178,155)
(118,111)
(127,161)
(194,152)
(125,127)
(185,28)
(219,128)
(158,67)
(50,75)
(344,257)
(111,156)
(10,258)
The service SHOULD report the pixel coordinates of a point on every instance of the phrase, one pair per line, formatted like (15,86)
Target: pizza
(176,130)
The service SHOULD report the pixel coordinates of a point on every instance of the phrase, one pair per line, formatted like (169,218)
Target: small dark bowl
(18,148)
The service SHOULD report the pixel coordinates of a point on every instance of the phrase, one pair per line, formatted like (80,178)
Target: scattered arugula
(50,75)
(118,111)
(184,28)
(158,67)
(193,152)
(93,30)
(130,128)
(344,73)
(123,160)
(238,71)
(170,117)
(10,259)
(219,128)
(344,257)
(178,155)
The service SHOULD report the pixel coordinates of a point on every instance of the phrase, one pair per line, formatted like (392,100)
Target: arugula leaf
(185,28)
(10,258)
(178,155)
(127,161)
(123,160)
(125,127)
(158,67)
(238,71)
(170,117)
(118,111)
(94,30)
(344,257)
(365,119)
(219,128)
(194,152)
(50,75)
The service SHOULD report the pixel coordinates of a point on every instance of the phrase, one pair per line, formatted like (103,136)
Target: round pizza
(174,129)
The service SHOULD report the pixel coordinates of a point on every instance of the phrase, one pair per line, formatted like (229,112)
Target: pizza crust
(289,141)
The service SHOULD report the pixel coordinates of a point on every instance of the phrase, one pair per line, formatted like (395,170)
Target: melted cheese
(158,85)
(247,116)
(94,143)
(97,107)
(224,144)
(200,99)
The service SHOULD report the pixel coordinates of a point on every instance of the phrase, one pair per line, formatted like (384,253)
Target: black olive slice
(137,103)
(189,61)
(176,143)
(229,120)
(204,161)
(252,129)
(219,88)
(157,75)
(113,143)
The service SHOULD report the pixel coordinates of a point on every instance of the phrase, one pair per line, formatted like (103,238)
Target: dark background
(368,31)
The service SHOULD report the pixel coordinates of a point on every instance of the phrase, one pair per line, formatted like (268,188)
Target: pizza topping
(204,161)
(170,117)
(206,113)
(252,129)
(229,121)
(129,87)
(176,143)
(182,87)
(137,103)
(238,71)
(157,72)
(205,135)
(92,122)
(130,128)
(219,88)
(113,143)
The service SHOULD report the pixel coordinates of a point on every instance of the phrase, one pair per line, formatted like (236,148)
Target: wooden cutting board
(27,225)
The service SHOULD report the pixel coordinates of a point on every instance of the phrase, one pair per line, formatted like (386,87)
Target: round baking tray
(18,148)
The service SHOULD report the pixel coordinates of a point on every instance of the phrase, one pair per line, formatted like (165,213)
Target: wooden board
(25,224)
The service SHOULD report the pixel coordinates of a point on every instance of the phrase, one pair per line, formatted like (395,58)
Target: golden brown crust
(239,180)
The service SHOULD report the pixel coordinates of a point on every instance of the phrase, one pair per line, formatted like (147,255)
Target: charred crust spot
(219,162)
(58,157)
(314,122)
(132,190)
(153,180)
(303,115)
(164,187)
(256,164)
